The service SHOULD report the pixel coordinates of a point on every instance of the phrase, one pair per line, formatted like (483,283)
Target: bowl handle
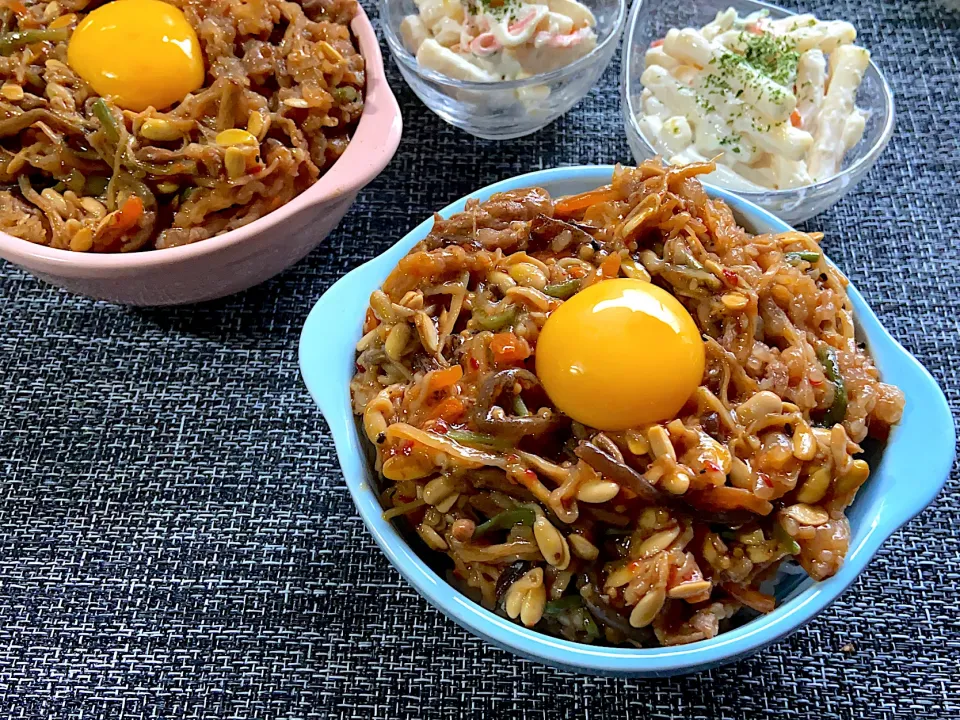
(330,335)
(927,432)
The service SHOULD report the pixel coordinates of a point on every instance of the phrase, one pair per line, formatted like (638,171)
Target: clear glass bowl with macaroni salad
(492,107)
(649,22)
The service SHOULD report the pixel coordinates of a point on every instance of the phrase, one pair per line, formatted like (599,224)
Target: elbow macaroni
(485,42)
(774,99)
(849,64)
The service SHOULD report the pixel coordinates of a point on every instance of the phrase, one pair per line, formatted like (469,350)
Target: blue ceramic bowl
(913,468)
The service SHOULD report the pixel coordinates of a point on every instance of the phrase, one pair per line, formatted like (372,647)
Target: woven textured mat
(176,540)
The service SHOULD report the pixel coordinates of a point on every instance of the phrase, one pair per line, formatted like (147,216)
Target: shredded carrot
(591,278)
(507,348)
(610,267)
(128,215)
(795,119)
(369,321)
(19,9)
(448,410)
(755,29)
(657,43)
(63,21)
(753,599)
(575,203)
(442,379)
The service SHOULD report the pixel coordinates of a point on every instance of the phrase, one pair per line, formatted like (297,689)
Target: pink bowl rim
(370,150)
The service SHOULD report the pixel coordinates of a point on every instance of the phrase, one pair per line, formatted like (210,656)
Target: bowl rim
(327,356)
(862,164)
(371,148)
(407,60)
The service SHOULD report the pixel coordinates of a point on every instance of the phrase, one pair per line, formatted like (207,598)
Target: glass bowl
(512,108)
(651,19)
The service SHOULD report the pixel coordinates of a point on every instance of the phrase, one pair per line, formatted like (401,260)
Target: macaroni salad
(774,99)
(494,40)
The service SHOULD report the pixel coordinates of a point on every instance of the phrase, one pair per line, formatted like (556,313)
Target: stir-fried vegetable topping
(497,321)
(506,520)
(802,256)
(10,41)
(244,141)
(564,289)
(838,409)
(468,437)
(637,533)
(786,539)
(555,607)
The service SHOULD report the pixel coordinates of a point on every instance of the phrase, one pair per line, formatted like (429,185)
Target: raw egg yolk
(620,354)
(137,53)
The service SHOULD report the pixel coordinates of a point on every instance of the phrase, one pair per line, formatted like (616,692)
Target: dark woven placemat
(176,539)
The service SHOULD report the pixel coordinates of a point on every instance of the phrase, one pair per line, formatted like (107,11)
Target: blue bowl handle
(331,330)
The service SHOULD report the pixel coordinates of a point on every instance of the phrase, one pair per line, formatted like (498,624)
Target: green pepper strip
(785,539)
(593,632)
(468,437)
(838,410)
(83,154)
(690,261)
(564,289)
(178,167)
(107,120)
(75,181)
(498,321)
(95,185)
(520,407)
(803,256)
(506,519)
(555,607)
(17,39)
(345,94)
(398,510)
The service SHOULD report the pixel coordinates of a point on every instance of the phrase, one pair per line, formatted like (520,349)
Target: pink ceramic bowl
(247,256)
